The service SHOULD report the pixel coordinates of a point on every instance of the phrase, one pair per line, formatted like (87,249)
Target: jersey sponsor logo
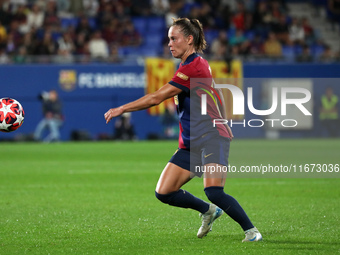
(182,76)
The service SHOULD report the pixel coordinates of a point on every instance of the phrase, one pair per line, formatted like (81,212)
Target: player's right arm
(144,102)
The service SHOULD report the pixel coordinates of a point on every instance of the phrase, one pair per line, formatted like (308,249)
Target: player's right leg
(168,189)
(174,176)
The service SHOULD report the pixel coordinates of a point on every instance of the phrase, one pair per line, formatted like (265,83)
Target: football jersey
(194,78)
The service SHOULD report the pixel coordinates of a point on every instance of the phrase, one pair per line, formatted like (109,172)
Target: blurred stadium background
(100,54)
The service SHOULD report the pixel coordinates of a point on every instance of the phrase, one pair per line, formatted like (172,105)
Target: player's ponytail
(192,27)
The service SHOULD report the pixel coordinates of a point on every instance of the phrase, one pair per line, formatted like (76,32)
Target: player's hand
(113,112)
(230,132)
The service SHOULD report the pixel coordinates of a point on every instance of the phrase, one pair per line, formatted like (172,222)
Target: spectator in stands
(66,49)
(272,47)
(76,7)
(305,55)
(130,36)
(329,112)
(276,11)
(249,22)
(84,27)
(35,18)
(114,54)
(281,29)
(64,56)
(53,117)
(326,55)
(309,31)
(159,7)
(219,42)
(206,16)
(14,33)
(262,18)
(141,7)
(29,43)
(63,7)
(105,14)
(296,32)
(223,14)
(91,7)
(245,49)
(3,33)
(5,14)
(20,15)
(119,12)
(81,44)
(47,46)
(337,57)
(334,12)
(113,31)
(65,43)
(174,7)
(238,18)
(4,59)
(98,47)
(51,18)
(238,38)
(21,56)
(256,46)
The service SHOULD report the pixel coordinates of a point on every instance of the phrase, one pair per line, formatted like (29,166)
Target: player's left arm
(144,102)
(224,113)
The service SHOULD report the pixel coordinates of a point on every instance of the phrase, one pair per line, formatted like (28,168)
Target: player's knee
(165,198)
(214,194)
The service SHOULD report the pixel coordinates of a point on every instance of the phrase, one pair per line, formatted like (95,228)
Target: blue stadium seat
(231,32)
(288,52)
(210,35)
(317,50)
(66,22)
(56,35)
(250,34)
(153,40)
(128,50)
(150,52)
(156,24)
(140,24)
(93,23)
(298,49)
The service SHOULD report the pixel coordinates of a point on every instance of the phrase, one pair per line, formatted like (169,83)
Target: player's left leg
(214,182)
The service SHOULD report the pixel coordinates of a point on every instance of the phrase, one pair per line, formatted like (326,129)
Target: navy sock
(229,205)
(184,199)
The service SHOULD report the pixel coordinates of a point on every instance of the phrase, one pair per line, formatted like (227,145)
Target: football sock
(184,199)
(229,205)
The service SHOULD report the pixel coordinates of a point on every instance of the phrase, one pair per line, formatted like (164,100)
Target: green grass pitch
(98,198)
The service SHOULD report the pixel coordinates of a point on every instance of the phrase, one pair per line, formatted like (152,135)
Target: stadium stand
(315,22)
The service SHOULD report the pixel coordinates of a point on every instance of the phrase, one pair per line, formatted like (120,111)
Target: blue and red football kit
(200,143)
(194,78)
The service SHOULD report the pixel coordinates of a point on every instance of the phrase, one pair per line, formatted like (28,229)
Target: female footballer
(199,143)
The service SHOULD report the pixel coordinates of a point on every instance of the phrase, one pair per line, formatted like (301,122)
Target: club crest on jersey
(182,76)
